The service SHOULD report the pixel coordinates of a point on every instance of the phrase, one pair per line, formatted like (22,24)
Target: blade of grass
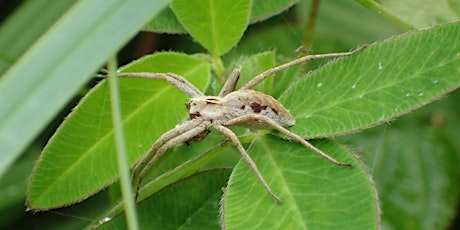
(122,154)
(49,74)
(25,25)
(376,7)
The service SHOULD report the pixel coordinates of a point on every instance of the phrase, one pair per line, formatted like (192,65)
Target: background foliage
(412,160)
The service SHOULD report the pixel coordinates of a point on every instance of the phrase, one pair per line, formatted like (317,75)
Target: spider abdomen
(243,102)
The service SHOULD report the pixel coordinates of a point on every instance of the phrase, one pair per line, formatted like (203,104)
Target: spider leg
(162,139)
(177,81)
(188,134)
(231,82)
(229,133)
(263,119)
(259,78)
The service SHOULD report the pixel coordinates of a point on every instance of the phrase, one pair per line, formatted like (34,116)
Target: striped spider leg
(242,107)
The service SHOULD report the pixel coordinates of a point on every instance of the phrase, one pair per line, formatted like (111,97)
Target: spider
(243,107)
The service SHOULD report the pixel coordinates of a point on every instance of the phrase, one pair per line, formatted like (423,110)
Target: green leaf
(416,175)
(166,21)
(284,79)
(48,75)
(381,82)
(262,9)
(216,24)
(254,65)
(83,147)
(190,204)
(417,181)
(316,194)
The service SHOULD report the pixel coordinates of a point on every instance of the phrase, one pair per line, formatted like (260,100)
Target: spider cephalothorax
(243,107)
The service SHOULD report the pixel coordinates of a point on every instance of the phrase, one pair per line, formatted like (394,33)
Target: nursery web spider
(243,107)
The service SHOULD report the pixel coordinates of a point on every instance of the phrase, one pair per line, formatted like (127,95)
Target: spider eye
(187,105)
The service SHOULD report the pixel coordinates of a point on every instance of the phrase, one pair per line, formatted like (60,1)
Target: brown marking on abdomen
(257,108)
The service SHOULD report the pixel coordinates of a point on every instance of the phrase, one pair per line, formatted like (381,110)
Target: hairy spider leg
(175,80)
(259,78)
(229,133)
(260,118)
(171,143)
(164,138)
(231,82)
(173,137)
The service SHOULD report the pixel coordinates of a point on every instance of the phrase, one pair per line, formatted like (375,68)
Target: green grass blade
(316,194)
(122,153)
(36,87)
(378,84)
(26,25)
(216,24)
(79,160)
(409,13)
(377,7)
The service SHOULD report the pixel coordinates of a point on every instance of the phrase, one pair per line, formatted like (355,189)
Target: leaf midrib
(283,181)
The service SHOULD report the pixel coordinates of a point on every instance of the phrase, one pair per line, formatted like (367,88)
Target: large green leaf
(166,21)
(190,204)
(216,24)
(79,160)
(381,82)
(417,177)
(44,79)
(316,194)
(414,163)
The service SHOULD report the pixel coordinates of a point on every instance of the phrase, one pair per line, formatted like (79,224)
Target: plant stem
(308,38)
(217,66)
(122,156)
